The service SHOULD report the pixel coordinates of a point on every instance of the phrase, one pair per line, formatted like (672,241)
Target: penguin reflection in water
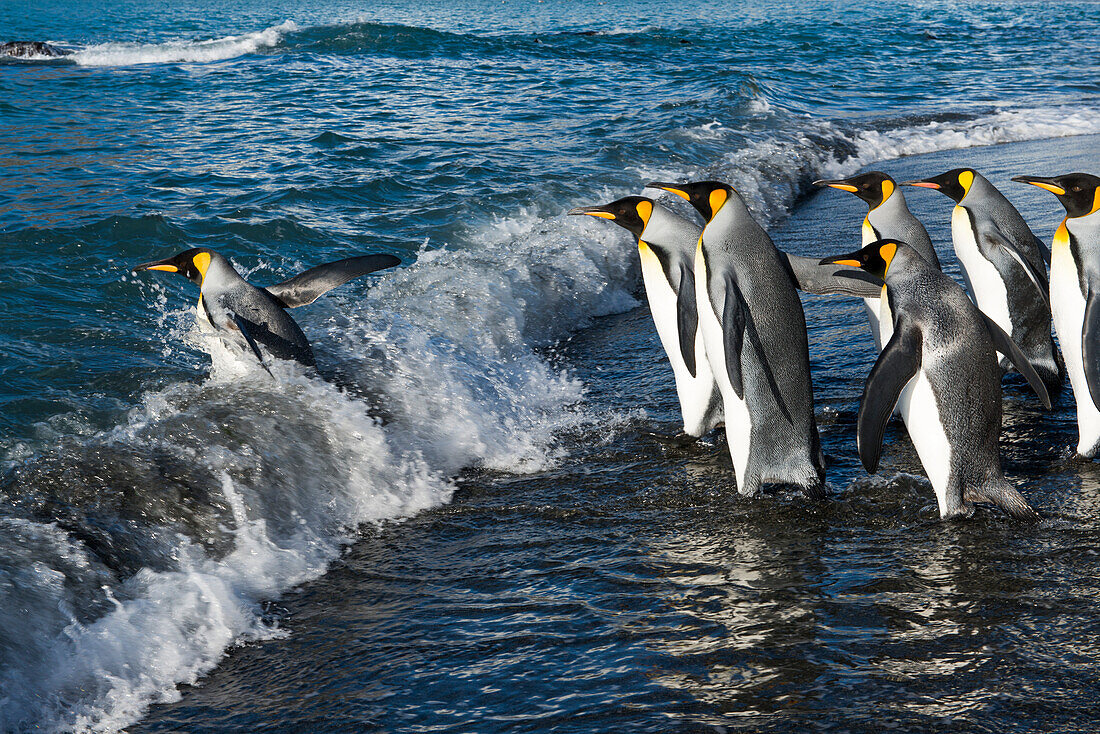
(233,306)
(940,367)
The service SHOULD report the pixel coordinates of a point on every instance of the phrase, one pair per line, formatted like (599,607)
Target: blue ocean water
(504,548)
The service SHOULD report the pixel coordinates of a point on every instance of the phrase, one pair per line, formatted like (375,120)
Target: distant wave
(772,172)
(218,49)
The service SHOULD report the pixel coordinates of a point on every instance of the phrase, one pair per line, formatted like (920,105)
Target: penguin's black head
(631,213)
(875,258)
(874,187)
(955,183)
(707,197)
(191,264)
(1078,192)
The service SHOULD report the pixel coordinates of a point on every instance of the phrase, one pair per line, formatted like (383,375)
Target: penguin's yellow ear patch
(202,262)
(645,211)
(718,197)
(1095,200)
(165,268)
(966,180)
(887,189)
(887,252)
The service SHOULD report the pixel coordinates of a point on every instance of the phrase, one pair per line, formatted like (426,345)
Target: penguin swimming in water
(231,304)
(754,332)
(941,367)
(666,246)
(1075,294)
(888,217)
(1004,264)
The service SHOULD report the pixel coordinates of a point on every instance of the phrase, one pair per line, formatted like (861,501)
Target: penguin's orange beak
(1042,182)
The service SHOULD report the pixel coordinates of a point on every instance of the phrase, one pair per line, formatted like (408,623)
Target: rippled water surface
(464,522)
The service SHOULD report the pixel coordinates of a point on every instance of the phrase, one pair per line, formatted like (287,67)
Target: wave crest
(217,49)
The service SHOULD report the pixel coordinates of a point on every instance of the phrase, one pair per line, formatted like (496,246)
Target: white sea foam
(444,349)
(770,173)
(217,49)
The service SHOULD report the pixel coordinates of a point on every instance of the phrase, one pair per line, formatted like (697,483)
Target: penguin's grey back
(224,290)
(958,356)
(1007,217)
(777,327)
(892,220)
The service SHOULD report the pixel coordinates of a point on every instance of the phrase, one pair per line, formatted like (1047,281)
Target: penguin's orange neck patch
(1061,235)
(645,211)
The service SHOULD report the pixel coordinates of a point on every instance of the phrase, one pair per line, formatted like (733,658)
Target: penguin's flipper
(245,328)
(1090,333)
(306,287)
(687,317)
(734,320)
(994,240)
(899,361)
(1044,251)
(810,276)
(1003,343)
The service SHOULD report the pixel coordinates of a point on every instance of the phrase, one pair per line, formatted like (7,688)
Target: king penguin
(1004,264)
(940,366)
(888,217)
(754,332)
(232,305)
(1075,294)
(666,247)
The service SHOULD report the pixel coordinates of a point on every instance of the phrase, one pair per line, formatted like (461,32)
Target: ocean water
(463,522)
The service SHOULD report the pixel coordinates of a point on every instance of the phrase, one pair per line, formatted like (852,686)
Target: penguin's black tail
(1002,494)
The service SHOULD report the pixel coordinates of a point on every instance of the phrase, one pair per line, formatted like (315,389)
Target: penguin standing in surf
(940,367)
(888,217)
(754,332)
(233,306)
(666,246)
(1004,265)
(1075,294)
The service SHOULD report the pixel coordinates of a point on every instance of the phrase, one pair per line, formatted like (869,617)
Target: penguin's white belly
(881,329)
(983,280)
(921,414)
(873,308)
(1067,306)
(695,393)
(735,410)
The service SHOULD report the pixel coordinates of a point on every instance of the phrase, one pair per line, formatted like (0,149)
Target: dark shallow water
(629,589)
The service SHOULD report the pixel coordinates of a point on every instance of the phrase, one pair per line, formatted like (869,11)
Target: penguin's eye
(1076,188)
